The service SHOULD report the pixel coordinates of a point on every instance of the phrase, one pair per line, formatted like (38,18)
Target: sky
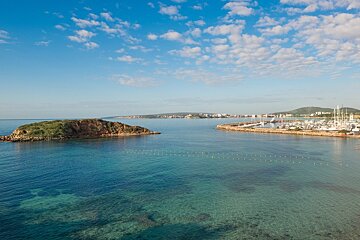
(68,59)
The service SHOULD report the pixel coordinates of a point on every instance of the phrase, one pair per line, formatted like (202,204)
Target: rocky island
(73,129)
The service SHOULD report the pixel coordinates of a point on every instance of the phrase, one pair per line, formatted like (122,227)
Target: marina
(341,124)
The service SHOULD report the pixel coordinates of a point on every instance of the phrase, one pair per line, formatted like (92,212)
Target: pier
(253,128)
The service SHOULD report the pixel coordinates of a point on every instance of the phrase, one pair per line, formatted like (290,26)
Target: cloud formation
(42,43)
(4,36)
(172,12)
(128,59)
(239,8)
(133,81)
(243,37)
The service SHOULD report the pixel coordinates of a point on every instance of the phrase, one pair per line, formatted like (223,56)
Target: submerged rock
(202,217)
(73,129)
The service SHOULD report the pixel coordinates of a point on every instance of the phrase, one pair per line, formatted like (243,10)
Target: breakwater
(241,128)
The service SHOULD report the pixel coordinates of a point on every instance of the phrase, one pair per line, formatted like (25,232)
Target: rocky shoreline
(236,127)
(74,129)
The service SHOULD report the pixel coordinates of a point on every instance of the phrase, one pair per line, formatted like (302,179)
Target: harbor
(341,124)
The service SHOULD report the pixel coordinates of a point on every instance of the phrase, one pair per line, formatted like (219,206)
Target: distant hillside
(310,110)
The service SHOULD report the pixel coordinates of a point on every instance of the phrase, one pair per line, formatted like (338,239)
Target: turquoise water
(190,182)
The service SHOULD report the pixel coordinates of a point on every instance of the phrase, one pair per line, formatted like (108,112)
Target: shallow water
(190,182)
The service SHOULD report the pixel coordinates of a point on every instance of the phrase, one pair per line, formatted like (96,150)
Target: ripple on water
(246,182)
(203,189)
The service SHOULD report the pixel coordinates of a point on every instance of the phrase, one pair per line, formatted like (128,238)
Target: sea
(190,182)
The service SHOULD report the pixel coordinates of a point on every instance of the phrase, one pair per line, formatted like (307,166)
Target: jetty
(341,125)
(241,128)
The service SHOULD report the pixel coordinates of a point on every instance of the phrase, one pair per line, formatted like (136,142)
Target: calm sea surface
(190,182)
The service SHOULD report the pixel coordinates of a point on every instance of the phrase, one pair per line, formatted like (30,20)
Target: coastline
(73,129)
(38,139)
(236,128)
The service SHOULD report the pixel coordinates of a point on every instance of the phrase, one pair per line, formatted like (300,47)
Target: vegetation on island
(68,129)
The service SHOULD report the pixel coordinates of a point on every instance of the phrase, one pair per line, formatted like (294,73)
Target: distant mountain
(310,110)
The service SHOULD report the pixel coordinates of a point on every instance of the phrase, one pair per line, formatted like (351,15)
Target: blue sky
(100,58)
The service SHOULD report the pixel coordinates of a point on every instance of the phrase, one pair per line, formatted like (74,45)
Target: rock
(202,217)
(73,129)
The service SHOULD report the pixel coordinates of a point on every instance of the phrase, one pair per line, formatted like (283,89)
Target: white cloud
(82,36)
(313,5)
(76,39)
(188,52)
(120,50)
(219,40)
(172,12)
(335,35)
(266,22)
(172,35)
(150,4)
(292,11)
(169,10)
(220,48)
(280,40)
(58,15)
(42,43)
(120,30)
(93,16)
(133,81)
(179,1)
(310,8)
(202,59)
(140,48)
(112,26)
(85,34)
(238,8)
(91,45)
(205,76)
(199,22)
(287,54)
(196,32)
(83,23)
(4,36)
(128,59)
(197,7)
(113,31)
(277,30)
(60,27)
(225,29)
(136,26)
(190,41)
(107,16)
(272,43)
(196,23)
(152,36)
